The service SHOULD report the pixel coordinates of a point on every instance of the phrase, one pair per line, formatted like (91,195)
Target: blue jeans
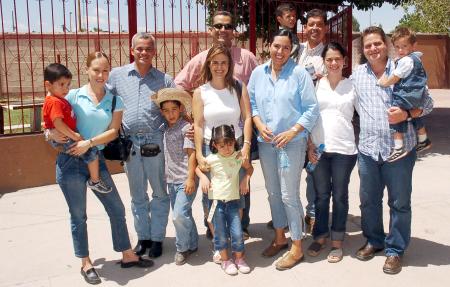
(150,217)
(227,224)
(71,175)
(331,178)
(206,203)
(310,195)
(283,185)
(397,177)
(185,228)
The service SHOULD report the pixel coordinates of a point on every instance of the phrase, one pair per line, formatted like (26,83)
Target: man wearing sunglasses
(222,31)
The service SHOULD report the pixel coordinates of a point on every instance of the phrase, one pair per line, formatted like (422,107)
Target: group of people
(296,101)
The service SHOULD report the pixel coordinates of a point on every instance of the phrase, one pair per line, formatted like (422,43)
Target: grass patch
(20,120)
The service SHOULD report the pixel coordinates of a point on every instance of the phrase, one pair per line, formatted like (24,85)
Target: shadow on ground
(437,125)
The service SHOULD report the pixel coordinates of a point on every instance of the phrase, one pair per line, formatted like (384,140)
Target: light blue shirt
(92,120)
(141,114)
(285,102)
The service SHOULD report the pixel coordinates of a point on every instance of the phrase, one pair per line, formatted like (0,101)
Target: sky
(387,15)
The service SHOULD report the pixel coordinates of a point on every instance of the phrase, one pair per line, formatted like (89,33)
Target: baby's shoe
(229,267)
(216,257)
(421,146)
(242,266)
(99,186)
(396,154)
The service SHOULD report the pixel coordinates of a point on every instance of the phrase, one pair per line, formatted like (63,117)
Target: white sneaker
(216,257)
(242,266)
(229,267)
(99,186)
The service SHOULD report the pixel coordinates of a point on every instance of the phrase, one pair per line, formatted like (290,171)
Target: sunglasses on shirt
(219,26)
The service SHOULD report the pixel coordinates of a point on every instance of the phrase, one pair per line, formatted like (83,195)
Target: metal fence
(35,33)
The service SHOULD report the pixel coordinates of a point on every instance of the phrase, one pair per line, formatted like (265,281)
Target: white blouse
(334,127)
(220,107)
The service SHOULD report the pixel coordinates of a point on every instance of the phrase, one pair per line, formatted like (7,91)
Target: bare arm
(264,130)
(192,165)
(110,134)
(205,184)
(244,185)
(65,130)
(247,119)
(199,121)
(386,82)
(397,115)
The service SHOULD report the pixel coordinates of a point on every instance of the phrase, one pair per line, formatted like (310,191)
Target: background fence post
(252,26)
(132,23)
(349,32)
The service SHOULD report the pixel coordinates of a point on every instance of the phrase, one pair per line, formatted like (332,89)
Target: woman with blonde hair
(98,125)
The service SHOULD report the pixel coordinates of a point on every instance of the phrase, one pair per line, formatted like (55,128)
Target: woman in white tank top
(217,102)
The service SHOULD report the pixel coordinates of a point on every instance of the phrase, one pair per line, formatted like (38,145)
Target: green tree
(355,24)
(428,16)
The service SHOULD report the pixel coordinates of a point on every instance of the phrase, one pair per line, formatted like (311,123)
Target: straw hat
(173,94)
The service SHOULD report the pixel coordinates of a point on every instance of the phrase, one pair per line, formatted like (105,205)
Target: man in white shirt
(311,55)
(311,50)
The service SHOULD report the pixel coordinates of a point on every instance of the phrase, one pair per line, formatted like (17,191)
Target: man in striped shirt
(375,142)
(136,83)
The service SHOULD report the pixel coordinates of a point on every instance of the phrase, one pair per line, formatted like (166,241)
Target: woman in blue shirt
(92,106)
(284,109)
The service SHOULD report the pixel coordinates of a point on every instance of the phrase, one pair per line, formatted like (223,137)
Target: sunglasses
(219,26)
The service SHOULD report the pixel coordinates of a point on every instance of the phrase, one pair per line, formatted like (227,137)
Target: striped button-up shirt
(141,115)
(373,102)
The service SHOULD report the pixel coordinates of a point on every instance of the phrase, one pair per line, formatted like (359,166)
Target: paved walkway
(36,247)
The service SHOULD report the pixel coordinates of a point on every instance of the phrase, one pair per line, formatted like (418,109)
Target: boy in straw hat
(180,164)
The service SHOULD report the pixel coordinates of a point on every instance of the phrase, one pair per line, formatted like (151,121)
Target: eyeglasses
(219,26)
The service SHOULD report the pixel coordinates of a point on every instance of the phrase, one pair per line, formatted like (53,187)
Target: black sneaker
(99,186)
(142,246)
(155,250)
(396,154)
(421,146)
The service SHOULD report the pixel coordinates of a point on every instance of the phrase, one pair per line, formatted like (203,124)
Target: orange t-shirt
(55,107)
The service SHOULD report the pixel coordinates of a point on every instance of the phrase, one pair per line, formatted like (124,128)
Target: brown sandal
(336,254)
(315,248)
(274,249)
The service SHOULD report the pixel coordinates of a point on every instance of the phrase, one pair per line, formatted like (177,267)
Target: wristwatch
(409,116)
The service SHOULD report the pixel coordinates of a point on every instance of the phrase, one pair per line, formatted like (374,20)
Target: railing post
(132,23)
(252,26)
(349,38)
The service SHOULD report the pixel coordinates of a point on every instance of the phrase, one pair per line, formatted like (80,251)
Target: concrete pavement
(36,246)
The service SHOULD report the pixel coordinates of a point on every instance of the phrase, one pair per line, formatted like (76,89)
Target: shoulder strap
(239,90)
(113,106)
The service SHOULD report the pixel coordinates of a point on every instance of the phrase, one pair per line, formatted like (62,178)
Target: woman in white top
(334,129)
(217,102)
